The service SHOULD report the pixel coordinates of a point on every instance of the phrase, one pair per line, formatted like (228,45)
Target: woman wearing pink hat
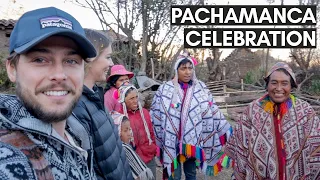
(118,76)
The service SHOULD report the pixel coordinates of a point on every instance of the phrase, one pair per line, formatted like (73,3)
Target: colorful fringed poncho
(193,128)
(276,141)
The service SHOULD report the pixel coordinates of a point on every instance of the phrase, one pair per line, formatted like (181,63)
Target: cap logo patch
(55,21)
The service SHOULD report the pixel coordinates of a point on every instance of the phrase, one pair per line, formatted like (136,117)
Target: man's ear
(11,71)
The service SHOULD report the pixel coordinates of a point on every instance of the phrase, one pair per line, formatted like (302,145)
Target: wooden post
(152,68)
(242,89)
(223,78)
(267,61)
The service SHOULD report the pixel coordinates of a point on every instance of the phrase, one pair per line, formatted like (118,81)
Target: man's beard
(39,112)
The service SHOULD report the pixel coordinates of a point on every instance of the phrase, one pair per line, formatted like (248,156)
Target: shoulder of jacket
(83,100)
(167,83)
(82,106)
(145,110)
(202,84)
(301,101)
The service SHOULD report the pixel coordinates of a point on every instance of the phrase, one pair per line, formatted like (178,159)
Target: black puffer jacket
(109,158)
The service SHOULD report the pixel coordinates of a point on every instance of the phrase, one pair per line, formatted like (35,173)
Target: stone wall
(6,27)
(240,62)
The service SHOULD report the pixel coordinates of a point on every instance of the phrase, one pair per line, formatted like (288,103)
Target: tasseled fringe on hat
(223,162)
(145,124)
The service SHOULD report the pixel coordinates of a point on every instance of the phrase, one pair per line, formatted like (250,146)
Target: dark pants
(189,168)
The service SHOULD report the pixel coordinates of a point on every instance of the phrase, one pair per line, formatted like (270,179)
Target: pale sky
(88,19)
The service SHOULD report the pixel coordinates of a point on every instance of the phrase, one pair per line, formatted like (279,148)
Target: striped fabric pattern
(138,167)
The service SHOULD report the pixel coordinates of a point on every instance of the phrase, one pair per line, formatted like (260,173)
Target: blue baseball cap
(37,25)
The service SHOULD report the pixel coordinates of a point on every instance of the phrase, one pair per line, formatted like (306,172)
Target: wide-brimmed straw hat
(119,70)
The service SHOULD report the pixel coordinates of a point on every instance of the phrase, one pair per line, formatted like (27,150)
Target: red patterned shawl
(253,146)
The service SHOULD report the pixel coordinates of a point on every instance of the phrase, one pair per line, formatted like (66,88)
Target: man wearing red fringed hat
(189,127)
(278,136)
